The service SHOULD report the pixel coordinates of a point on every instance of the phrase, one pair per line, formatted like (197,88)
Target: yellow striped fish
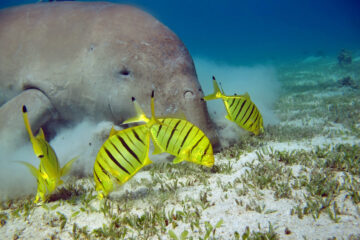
(122,155)
(176,136)
(240,109)
(49,173)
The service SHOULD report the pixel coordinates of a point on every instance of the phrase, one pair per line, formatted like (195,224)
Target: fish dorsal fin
(247,96)
(41,134)
(228,117)
(112,131)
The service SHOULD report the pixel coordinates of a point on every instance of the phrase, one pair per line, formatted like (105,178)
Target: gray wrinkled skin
(70,60)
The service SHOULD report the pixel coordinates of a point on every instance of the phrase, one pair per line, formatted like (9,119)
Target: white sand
(223,206)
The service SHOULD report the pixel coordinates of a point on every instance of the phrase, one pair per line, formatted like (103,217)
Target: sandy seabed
(300,180)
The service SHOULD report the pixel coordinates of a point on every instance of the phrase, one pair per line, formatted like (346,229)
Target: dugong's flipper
(12,130)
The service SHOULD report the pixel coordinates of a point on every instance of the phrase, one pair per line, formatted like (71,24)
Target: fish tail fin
(217,92)
(140,115)
(66,168)
(26,121)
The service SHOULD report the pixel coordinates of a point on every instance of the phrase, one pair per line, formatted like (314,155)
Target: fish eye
(41,156)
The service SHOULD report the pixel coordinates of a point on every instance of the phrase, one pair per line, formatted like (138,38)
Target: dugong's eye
(124,72)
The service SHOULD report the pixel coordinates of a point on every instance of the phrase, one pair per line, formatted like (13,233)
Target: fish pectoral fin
(42,187)
(34,171)
(66,168)
(178,160)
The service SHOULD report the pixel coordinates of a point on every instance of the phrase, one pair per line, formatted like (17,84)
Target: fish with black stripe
(176,136)
(122,155)
(240,109)
(49,174)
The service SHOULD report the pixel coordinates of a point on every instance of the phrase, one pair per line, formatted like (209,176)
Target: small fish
(176,136)
(49,173)
(240,109)
(122,155)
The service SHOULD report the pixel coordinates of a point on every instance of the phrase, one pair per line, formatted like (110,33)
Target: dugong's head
(132,54)
(89,59)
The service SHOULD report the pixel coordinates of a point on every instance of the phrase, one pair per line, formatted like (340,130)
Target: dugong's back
(90,58)
(52,36)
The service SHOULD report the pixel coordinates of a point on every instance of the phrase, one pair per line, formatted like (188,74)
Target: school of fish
(126,151)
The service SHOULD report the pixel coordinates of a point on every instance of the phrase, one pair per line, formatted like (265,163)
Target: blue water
(257,31)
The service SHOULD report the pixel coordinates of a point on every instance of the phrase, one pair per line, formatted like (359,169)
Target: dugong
(71,60)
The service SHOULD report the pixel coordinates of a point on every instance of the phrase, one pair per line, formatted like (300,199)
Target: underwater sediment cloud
(260,81)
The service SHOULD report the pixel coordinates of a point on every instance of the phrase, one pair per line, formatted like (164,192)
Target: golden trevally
(176,136)
(49,173)
(240,109)
(122,155)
